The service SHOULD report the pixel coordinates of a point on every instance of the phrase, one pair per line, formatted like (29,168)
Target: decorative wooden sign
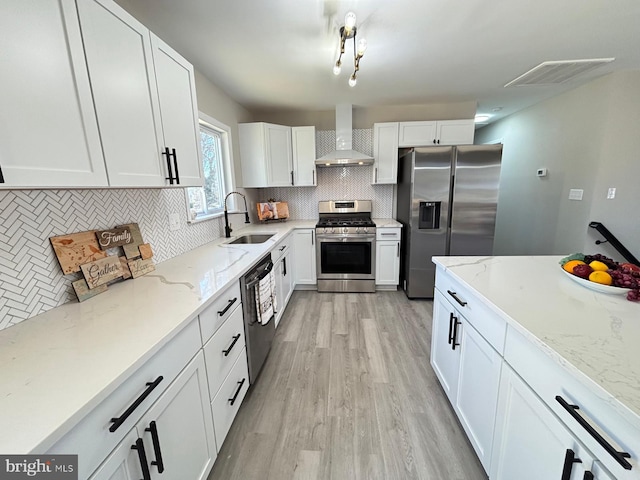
(76,249)
(126,273)
(83,292)
(141,267)
(101,271)
(115,237)
(131,249)
(145,251)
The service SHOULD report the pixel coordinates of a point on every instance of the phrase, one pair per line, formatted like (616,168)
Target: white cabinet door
(303,140)
(387,262)
(118,47)
(279,157)
(183,440)
(416,134)
(455,132)
(304,256)
(277,272)
(530,443)
(445,359)
(124,463)
(287,280)
(48,130)
(479,378)
(179,111)
(385,153)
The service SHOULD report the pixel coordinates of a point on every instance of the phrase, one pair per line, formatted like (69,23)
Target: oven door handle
(338,237)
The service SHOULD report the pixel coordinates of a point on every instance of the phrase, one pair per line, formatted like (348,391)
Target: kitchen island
(561,338)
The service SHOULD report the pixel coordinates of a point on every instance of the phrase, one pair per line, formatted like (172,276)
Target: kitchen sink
(251,238)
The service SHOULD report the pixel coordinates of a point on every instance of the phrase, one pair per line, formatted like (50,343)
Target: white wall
(587,138)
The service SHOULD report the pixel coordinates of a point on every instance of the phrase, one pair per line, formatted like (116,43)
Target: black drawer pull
(455,297)
(167,154)
(284,266)
(618,456)
(569,459)
(450,328)
(142,456)
(588,476)
(156,446)
(175,166)
(282,248)
(228,350)
(454,337)
(231,302)
(240,384)
(117,421)
(1,176)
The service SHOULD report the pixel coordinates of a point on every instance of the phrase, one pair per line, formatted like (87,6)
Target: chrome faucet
(227,228)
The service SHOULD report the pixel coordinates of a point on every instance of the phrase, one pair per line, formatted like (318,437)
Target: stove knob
(345,230)
(357,229)
(366,230)
(333,230)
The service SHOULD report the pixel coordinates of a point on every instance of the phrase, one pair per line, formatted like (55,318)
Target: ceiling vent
(556,72)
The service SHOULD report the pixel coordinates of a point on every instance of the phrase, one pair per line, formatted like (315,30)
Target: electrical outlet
(541,172)
(174,222)
(611,194)
(575,194)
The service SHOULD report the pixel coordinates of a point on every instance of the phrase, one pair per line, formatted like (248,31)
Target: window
(208,201)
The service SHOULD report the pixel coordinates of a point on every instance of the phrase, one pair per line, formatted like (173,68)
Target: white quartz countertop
(595,333)
(56,367)
(386,223)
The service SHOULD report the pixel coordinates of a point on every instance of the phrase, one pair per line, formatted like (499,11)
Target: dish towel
(266,302)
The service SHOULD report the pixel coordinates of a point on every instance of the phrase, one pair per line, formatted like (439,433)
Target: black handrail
(615,243)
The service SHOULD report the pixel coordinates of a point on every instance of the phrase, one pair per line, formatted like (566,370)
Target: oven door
(346,257)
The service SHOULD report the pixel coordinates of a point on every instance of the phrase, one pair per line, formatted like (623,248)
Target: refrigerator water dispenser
(429,218)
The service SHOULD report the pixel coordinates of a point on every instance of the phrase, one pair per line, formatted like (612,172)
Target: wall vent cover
(556,72)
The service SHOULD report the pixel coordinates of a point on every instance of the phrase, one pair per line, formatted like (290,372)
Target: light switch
(575,194)
(174,222)
(611,193)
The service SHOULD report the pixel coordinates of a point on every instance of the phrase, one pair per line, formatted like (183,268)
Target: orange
(572,263)
(599,266)
(601,277)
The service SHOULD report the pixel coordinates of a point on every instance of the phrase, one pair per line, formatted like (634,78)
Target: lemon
(599,266)
(572,263)
(600,277)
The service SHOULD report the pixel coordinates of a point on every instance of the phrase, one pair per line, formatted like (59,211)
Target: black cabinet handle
(292,177)
(450,328)
(156,446)
(455,297)
(228,350)
(312,238)
(284,266)
(1,176)
(117,421)
(313,176)
(618,456)
(438,141)
(454,338)
(231,302)
(569,459)
(167,154)
(282,248)
(175,166)
(142,456)
(434,140)
(588,476)
(240,384)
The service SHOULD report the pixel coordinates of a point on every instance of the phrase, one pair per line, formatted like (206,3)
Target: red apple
(630,266)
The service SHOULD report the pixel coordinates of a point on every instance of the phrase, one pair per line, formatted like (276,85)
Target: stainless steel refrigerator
(447,201)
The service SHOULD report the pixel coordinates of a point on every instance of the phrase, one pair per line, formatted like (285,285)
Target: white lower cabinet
(469,370)
(531,443)
(304,251)
(174,439)
(387,256)
(284,284)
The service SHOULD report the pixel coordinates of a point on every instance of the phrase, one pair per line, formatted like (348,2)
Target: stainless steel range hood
(344,155)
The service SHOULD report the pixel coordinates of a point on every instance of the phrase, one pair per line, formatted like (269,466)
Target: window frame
(228,177)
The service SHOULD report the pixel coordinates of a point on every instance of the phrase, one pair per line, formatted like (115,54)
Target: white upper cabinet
(444,132)
(118,47)
(179,112)
(266,155)
(304,156)
(48,130)
(385,153)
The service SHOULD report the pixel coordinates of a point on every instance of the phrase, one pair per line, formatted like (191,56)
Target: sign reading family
(115,237)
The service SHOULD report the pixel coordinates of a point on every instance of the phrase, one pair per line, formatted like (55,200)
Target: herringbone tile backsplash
(31,281)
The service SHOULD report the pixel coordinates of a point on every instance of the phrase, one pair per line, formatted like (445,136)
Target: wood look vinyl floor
(347,392)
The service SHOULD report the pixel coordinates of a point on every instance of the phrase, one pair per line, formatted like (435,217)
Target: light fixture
(348,31)
(482,118)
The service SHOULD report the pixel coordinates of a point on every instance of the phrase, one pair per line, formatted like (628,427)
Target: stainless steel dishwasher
(259,337)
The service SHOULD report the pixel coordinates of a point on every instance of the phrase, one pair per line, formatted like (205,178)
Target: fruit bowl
(598,287)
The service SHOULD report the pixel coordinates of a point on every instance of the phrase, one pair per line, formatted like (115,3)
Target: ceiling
(279,54)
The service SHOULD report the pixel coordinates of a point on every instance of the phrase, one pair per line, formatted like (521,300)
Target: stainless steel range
(346,250)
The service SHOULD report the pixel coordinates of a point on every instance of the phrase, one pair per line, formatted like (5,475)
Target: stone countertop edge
(58,366)
(386,223)
(569,358)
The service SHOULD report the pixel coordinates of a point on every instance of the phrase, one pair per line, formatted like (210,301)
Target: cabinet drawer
(388,233)
(485,321)
(212,318)
(91,439)
(280,249)
(222,350)
(548,377)
(233,390)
